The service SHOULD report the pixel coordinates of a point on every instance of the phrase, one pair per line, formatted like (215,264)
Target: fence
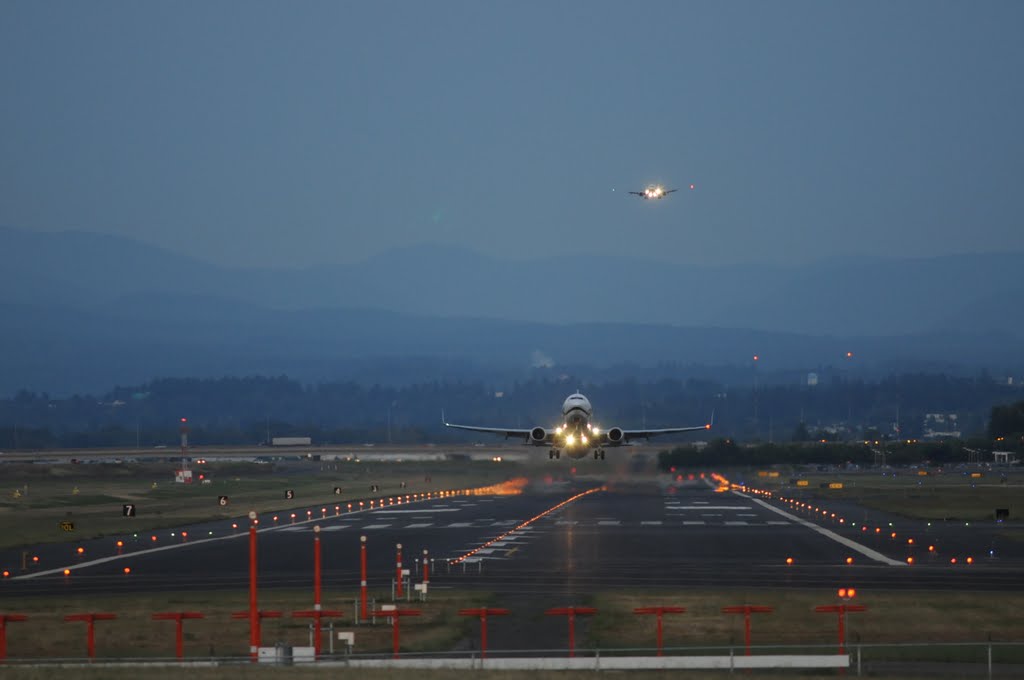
(973,659)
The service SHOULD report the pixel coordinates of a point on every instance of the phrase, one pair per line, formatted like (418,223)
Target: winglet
(443,421)
(710,424)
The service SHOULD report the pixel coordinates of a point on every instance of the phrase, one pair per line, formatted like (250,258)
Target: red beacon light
(847,593)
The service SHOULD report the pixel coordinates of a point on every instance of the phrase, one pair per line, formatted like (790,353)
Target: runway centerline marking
(526,525)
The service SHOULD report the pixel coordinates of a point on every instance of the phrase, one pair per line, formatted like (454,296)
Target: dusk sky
(291,134)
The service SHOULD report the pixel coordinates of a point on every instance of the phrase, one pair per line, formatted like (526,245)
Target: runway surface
(645,535)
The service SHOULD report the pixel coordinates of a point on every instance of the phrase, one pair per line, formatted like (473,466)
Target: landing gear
(598,454)
(554,454)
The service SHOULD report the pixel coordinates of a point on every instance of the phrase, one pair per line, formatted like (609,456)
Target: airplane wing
(646,434)
(669,192)
(627,435)
(638,193)
(507,432)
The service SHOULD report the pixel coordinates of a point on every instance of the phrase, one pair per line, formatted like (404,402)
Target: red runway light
(849,560)
(67,572)
(931,548)
(127,570)
(120,544)
(789,560)
(35,558)
(910,560)
(153,538)
(81,551)
(970,560)
(952,561)
(6,573)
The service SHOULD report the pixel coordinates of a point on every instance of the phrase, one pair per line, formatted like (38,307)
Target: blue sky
(272,133)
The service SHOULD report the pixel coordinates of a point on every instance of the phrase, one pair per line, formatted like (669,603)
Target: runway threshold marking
(527,523)
(852,545)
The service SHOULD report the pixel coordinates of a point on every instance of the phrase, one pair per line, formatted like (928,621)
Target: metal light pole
(362,578)
(483,613)
(254,615)
(658,611)
(177,617)
(571,613)
(747,610)
(398,573)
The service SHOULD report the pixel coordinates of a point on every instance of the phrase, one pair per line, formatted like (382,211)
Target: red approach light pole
(747,610)
(90,619)
(362,578)
(254,614)
(317,615)
(841,610)
(4,618)
(260,615)
(483,613)
(398,572)
(179,645)
(395,615)
(658,611)
(571,613)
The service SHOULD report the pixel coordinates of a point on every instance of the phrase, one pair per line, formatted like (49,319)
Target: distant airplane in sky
(577,435)
(655,191)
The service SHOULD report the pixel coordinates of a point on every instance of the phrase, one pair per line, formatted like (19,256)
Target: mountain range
(84,311)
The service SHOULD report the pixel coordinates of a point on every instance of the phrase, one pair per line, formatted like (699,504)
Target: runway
(623,535)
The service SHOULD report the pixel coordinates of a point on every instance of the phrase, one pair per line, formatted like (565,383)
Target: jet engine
(616,436)
(538,436)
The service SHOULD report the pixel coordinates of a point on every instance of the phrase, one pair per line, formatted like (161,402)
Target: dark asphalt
(631,535)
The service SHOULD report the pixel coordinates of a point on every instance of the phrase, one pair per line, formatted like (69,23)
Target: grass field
(37,499)
(935,496)
(133,634)
(892,618)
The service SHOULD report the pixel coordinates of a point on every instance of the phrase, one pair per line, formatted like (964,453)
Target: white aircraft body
(577,435)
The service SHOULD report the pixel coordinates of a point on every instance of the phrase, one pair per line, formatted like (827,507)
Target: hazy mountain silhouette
(86,311)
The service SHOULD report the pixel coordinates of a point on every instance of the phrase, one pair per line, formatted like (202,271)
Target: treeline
(721,453)
(252,410)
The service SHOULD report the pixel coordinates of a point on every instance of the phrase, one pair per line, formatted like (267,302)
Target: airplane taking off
(653,191)
(577,435)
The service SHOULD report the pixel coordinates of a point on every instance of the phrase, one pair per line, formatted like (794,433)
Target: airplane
(577,435)
(653,191)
